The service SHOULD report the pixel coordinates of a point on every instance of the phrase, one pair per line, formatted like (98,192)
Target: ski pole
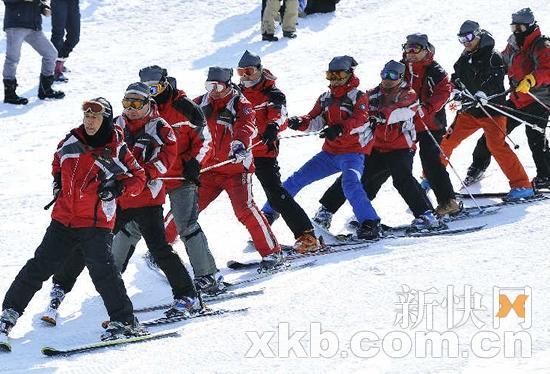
(521,112)
(536,128)
(482,107)
(228,161)
(47,206)
(449,162)
(300,135)
(539,101)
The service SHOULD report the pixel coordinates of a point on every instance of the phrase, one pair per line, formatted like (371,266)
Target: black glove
(56,185)
(376,119)
(269,136)
(191,171)
(294,122)
(110,189)
(331,132)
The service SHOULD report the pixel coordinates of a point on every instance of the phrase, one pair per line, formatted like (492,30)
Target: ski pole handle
(47,206)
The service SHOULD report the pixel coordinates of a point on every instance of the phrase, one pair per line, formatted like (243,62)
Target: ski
(207,298)
(491,194)
(51,351)
(202,314)
(258,276)
(536,198)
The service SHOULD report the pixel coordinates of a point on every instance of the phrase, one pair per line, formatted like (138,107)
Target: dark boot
(369,230)
(10,97)
(58,72)
(289,34)
(269,37)
(45,90)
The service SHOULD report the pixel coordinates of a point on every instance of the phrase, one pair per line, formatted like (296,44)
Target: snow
(346,293)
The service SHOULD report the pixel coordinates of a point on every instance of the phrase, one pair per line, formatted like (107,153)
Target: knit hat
(420,39)
(338,63)
(153,74)
(469,27)
(250,59)
(523,16)
(393,65)
(139,88)
(219,74)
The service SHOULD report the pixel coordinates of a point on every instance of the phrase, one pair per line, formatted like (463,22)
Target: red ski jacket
(346,106)
(153,143)
(230,118)
(83,169)
(532,58)
(432,86)
(269,104)
(397,107)
(191,130)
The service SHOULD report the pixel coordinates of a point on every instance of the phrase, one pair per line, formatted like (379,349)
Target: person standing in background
(65,32)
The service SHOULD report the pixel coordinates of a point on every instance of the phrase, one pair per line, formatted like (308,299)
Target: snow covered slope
(348,295)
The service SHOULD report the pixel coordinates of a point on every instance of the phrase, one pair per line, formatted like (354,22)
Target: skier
(92,167)
(480,70)
(433,88)
(231,122)
(527,57)
(392,108)
(258,86)
(339,114)
(153,143)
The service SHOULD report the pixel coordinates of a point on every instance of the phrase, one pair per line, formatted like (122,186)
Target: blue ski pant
(324,164)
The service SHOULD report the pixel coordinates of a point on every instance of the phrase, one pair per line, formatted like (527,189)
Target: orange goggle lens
(412,48)
(337,75)
(133,103)
(249,70)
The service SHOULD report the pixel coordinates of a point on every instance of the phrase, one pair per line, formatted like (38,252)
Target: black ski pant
(93,245)
(267,172)
(65,18)
(434,170)
(536,140)
(379,166)
(151,224)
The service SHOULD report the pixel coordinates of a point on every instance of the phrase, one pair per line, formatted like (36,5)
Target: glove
(407,126)
(56,185)
(110,189)
(331,132)
(269,136)
(45,9)
(457,95)
(237,151)
(191,171)
(294,122)
(481,98)
(526,84)
(376,119)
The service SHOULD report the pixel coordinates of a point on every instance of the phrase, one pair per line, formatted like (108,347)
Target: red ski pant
(465,125)
(239,189)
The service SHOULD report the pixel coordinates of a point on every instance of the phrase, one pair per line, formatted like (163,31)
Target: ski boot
(473,175)
(450,208)
(541,182)
(307,242)
(519,193)
(184,307)
(57,295)
(426,222)
(7,321)
(323,217)
(369,230)
(119,330)
(271,262)
(210,284)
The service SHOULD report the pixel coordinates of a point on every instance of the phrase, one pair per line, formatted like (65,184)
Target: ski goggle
(466,38)
(391,75)
(137,104)
(412,48)
(93,107)
(247,71)
(156,88)
(518,28)
(214,86)
(337,75)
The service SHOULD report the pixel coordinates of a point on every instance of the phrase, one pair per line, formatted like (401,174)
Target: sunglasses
(247,71)
(412,48)
(337,75)
(391,75)
(214,86)
(137,104)
(518,27)
(466,38)
(156,88)
(93,107)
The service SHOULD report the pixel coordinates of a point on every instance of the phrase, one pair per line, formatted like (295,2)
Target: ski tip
(50,351)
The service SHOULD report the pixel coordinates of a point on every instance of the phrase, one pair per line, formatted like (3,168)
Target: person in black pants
(92,167)
(65,32)
(258,86)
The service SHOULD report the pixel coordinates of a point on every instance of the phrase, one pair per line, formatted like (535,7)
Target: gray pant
(38,40)
(184,205)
